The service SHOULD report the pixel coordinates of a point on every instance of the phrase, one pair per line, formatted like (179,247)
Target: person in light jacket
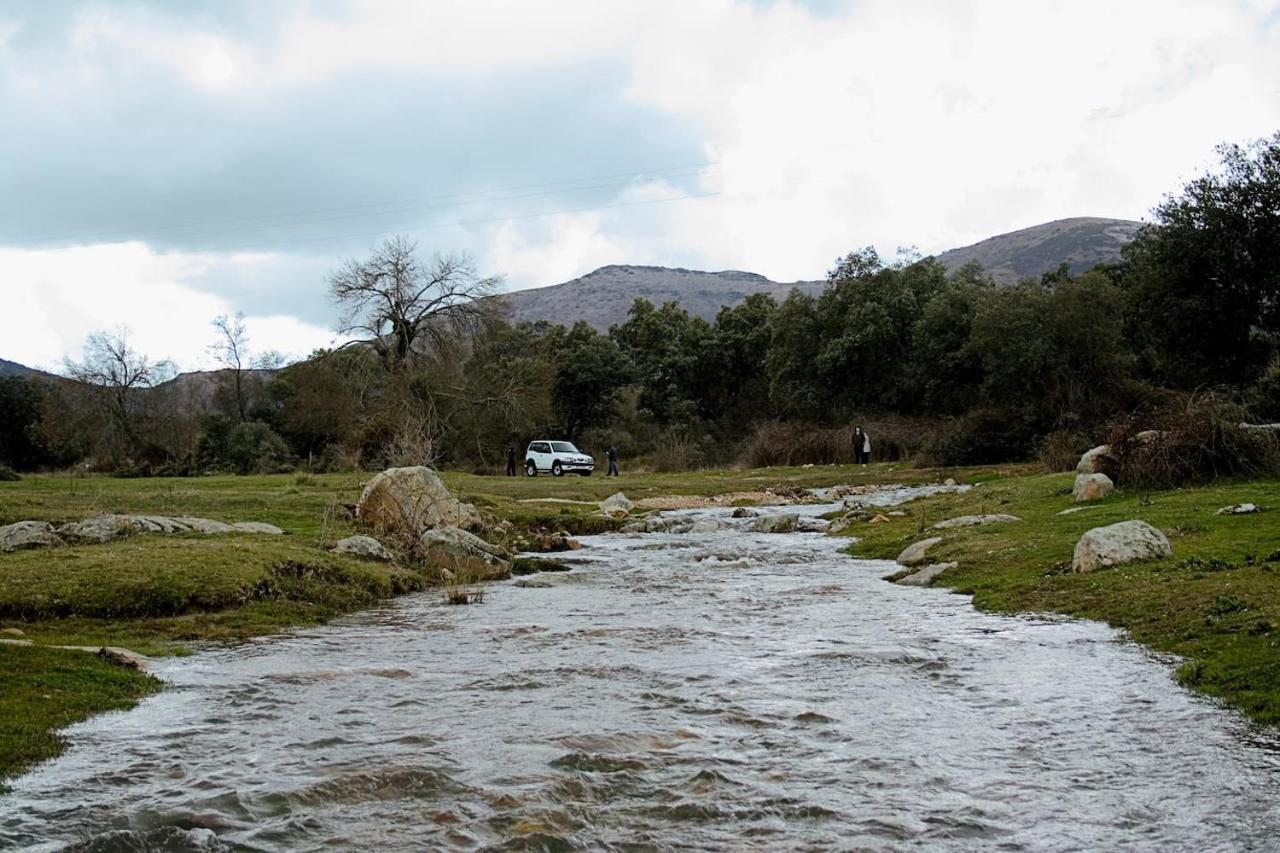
(866,448)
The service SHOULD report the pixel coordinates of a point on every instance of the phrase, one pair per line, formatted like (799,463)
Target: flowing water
(720,690)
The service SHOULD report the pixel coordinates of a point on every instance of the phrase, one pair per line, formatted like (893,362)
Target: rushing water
(721,690)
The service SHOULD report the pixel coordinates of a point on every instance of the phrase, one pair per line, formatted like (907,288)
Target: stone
(1073,510)
(808,524)
(257,527)
(617,505)
(97,530)
(897,513)
(950,481)
(1097,461)
(975,520)
(743,512)
(407,501)
(533,583)
(364,547)
(27,534)
(916,554)
(1148,436)
(465,554)
(706,525)
(1092,487)
(13,632)
(924,576)
(778,523)
(878,518)
(205,525)
(1239,509)
(1117,544)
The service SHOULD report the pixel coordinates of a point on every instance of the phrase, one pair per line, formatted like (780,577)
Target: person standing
(613,461)
(857,445)
(866,448)
(511,461)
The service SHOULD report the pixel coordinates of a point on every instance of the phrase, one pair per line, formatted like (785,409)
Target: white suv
(558,457)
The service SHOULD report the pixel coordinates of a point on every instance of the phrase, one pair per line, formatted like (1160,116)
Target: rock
(897,513)
(1239,509)
(879,518)
(1117,544)
(1075,509)
(706,525)
(808,524)
(407,501)
(616,505)
(364,547)
(975,520)
(27,534)
(533,583)
(779,523)
(1092,487)
(917,553)
(1148,436)
(257,527)
(97,530)
(950,481)
(1097,461)
(743,512)
(205,525)
(923,577)
(124,657)
(13,632)
(465,554)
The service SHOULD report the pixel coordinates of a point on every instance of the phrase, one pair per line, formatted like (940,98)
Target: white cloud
(55,298)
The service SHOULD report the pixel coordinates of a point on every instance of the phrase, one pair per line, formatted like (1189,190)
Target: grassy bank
(163,594)
(1216,603)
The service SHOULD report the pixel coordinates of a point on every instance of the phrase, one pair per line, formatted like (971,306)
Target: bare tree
(231,350)
(117,375)
(397,303)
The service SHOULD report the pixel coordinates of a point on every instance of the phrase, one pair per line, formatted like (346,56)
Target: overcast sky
(162,163)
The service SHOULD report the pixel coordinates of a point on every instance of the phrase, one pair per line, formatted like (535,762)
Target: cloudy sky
(162,163)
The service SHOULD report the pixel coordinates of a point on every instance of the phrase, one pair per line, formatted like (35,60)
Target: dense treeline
(943,364)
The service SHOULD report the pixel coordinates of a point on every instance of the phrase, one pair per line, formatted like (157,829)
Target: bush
(1061,450)
(245,448)
(7,474)
(1182,439)
(983,437)
(676,450)
(893,438)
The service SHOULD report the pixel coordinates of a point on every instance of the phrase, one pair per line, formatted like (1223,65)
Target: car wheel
(530,470)
(556,470)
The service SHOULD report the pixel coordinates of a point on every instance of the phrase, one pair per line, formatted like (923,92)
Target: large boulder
(463,554)
(975,520)
(1097,461)
(98,529)
(27,534)
(407,501)
(1092,487)
(364,547)
(917,553)
(1117,544)
(616,505)
(780,523)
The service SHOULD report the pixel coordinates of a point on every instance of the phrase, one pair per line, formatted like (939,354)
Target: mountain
(12,368)
(1080,243)
(603,297)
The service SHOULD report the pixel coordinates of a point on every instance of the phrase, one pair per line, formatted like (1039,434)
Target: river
(716,691)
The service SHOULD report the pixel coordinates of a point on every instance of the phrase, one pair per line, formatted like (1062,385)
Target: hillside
(1080,243)
(12,368)
(603,297)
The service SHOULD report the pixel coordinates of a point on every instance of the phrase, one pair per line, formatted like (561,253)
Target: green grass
(48,689)
(1216,603)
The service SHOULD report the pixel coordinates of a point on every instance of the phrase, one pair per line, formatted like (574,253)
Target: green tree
(590,372)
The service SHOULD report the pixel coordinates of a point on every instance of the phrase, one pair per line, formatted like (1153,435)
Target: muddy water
(722,690)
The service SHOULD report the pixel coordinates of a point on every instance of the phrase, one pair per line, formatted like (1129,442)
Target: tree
(1204,278)
(396,302)
(590,371)
(21,400)
(231,350)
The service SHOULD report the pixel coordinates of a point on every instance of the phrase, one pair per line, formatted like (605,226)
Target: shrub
(983,437)
(245,448)
(1181,439)
(1061,450)
(7,474)
(893,438)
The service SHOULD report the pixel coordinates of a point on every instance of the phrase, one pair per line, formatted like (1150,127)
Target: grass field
(1216,603)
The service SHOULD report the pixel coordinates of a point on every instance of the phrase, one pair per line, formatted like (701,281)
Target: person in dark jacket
(613,461)
(511,461)
(857,445)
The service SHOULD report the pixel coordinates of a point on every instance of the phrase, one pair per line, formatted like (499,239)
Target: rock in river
(364,547)
(465,554)
(780,523)
(1117,544)
(918,552)
(924,576)
(410,500)
(27,534)
(616,505)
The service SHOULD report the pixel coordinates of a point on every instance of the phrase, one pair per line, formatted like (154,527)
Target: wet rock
(27,534)
(743,512)
(808,524)
(918,552)
(364,547)
(1092,487)
(617,505)
(1239,509)
(1117,544)
(533,583)
(659,524)
(706,525)
(465,554)
(1097,461)
(407,501)
(257,527)
(975,520)
(780,523)
(925,576)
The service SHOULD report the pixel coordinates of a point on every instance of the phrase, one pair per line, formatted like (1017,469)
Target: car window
(541,447)
(563,447)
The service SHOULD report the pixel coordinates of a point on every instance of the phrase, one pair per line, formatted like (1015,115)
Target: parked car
(558,458)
